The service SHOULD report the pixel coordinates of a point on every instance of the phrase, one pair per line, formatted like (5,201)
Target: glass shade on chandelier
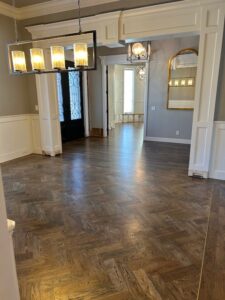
(80,55)
(37,59)
(58,57)
(139,52)
(19,61)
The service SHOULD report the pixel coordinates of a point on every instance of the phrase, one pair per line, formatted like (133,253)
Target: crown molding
(46,8)
(9,11)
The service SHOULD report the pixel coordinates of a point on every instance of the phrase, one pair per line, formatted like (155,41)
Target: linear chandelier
(48,55)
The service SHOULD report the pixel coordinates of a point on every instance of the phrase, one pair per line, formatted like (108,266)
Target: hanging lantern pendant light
(80,49)
(139,52)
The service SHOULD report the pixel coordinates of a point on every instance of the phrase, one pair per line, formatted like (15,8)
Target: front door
(70,102)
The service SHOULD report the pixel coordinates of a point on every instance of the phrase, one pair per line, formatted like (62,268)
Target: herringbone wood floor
(109,219)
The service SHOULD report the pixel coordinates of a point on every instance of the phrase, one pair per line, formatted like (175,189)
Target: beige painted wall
(14,97)
(95,97)
(16,92)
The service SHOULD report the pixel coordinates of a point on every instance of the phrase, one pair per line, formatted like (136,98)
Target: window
(128,91)
(75,96)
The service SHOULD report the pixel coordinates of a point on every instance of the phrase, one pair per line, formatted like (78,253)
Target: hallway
(110,219)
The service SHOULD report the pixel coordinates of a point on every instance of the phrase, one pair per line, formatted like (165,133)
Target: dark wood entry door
(70,104)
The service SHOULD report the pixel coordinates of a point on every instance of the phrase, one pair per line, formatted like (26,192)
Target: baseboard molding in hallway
(167,140)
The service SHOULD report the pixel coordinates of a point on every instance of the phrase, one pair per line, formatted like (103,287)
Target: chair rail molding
(188,17)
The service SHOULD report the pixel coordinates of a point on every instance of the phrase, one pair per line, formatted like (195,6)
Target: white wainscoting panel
(19,136)
(36,134)
(217,170)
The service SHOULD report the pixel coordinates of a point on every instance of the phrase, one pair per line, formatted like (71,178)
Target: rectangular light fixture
(31,57)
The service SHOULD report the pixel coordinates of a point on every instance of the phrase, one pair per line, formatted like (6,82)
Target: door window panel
(60,97)
(75,96)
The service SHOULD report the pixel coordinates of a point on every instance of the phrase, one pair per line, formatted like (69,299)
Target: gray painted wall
(15,98)
(95,97)
(162,122)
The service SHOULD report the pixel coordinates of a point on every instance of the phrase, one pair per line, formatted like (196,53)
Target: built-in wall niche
(182,78)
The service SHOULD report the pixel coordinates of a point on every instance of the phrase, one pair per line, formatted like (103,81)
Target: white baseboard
(220,175)
(203,174)
(19,136)
(167,140)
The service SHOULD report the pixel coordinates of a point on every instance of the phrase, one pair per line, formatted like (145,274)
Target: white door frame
(51,140)
(120,60)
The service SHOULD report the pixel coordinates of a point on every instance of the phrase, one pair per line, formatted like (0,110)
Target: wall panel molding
(217,169)
(106,25)
(19,135)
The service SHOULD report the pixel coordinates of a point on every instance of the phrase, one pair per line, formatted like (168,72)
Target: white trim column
(85,104)
(211,37)
(51,142)
(104,96)
(146,97)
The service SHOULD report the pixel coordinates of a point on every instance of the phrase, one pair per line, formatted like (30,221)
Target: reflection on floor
(109,219)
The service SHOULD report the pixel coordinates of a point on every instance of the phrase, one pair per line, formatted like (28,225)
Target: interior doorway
(125,91)
(125,101)
(70,104)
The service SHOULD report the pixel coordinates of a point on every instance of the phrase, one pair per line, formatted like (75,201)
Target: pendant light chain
(79,16)
(15,22)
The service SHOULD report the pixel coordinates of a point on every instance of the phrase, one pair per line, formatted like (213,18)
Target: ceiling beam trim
(47,8)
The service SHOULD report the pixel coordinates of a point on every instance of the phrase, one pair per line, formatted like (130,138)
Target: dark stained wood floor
(110,219)
(212,284)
